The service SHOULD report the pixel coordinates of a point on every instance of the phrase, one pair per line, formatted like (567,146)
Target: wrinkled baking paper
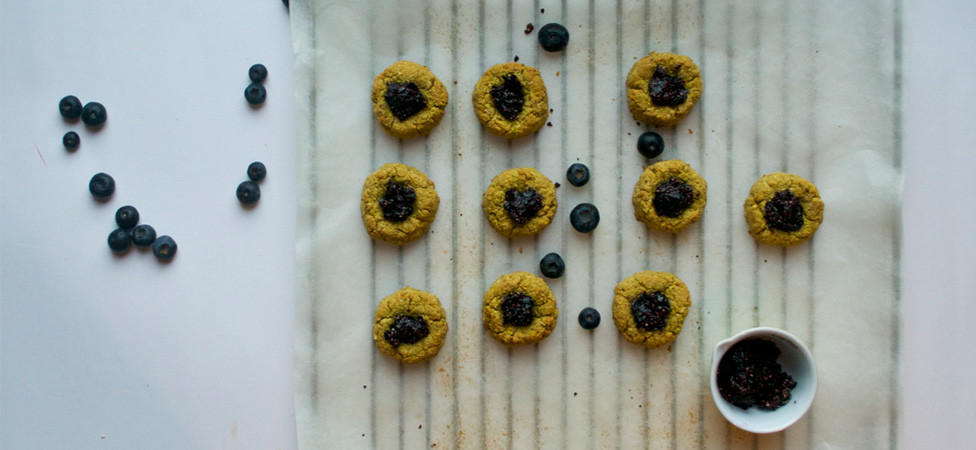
(804,87)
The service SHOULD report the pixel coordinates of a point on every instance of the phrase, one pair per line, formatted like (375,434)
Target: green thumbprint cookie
(783,209)
(649,308)
(410,325)
(669,196)
(662,88)
(519,309)
(408,100)
(510,100)
(398,203)
(519,202)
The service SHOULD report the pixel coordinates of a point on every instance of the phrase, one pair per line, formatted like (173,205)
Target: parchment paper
(806,87)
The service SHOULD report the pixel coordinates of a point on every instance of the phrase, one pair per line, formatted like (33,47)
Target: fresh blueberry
(127,217)
(578,174)
(94,114)
(584,217)
(248,192)
(589,318)
(70,107)
(164,247)
(119,240)
(650,144)
(71,140)
(255,93)
(143,235)
(552,265)
(553,37)
(256,171)
(102,185)
(257,73)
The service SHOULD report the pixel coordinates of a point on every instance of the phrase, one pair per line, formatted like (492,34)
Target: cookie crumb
(689,131)
(529,28)
(557,73)
(556,184)
(420,426)
(548,124)
(574,394)
(516,58)
(543,11)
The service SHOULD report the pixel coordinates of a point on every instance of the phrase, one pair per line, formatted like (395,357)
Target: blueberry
(578,174)
(257,73)
(248,192)
(70,107)
(164,247)
(119,240)
(255,93)
(650,144)
(94,114)
(553,37)
(552,265)
(589,318)
(584,217)
(256,171)
(127,217)
(143,235)
(102,185)
(71,140)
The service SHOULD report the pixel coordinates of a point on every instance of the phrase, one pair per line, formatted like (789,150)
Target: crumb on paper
(529,28)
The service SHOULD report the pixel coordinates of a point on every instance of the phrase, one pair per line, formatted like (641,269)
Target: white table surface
(101,351)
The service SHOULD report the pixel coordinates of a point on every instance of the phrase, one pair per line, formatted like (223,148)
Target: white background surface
(198,353)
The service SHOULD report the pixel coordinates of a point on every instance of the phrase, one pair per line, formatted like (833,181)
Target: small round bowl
(796,361)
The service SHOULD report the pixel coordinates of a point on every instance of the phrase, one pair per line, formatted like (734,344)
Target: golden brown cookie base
(763,190)
(658,173)
(535,109)
(638,92)
(411,302)
(421,123)
(631,288)
(424,208)
(544,308)
(493,201)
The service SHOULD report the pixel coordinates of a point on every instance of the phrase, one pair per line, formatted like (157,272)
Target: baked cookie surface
(408,100)
(398,203)
(649,308)
(662,88)
(510,100)
(783,209)
(519,309)
(410,325)
(519,202)
(669,196)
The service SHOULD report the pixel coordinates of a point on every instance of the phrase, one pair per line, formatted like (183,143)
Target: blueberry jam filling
(667,89)
(784,212)
(522,206)
(397,201)
(651,311)
(672,197)
(406,330)
(508,97)
(404,99)
(517,309)
(749,375)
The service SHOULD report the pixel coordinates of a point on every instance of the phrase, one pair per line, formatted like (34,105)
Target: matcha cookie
(662,88)
(519,309)
(410,325)
(408,100)
(783,209)
(649,308)
(398,203)
(519,202)
(510,100)
(669,196)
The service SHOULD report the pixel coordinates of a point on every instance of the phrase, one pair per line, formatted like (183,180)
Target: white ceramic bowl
(796,361)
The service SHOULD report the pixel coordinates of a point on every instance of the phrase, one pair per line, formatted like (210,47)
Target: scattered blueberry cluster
(255,92)
(248,192)
(92,114)
(130,231)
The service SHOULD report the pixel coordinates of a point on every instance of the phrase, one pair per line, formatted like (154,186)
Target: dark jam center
(397,202)
(651,311)
(672,197)
(784,212)
(406,330)
(522,206)
(404,99)
(517,309)
(667,89)
(749,375)
(508,97)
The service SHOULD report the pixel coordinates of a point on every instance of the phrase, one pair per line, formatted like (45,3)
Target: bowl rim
(726,408)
